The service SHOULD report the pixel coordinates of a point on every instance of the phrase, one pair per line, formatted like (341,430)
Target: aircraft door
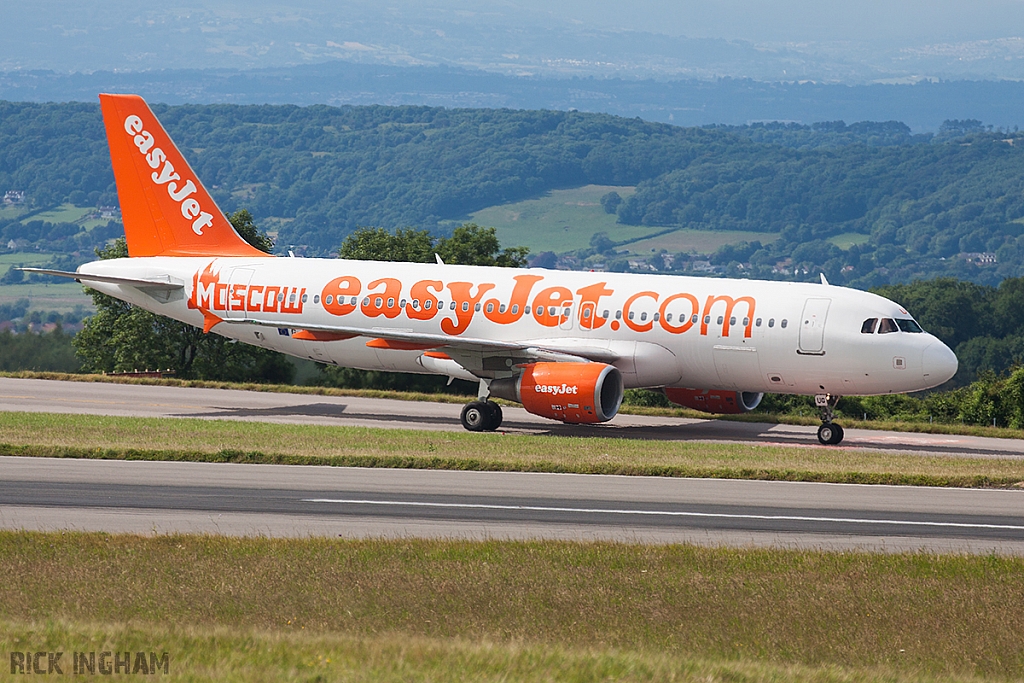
(812,327)
(588,311)
(238,292)
(566,313)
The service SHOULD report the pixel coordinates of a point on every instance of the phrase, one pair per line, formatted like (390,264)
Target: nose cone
(938,364)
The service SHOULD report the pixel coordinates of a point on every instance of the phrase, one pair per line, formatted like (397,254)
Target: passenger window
(552,311)
(476,308)
(721,319)
(783,323)
(490,308)
(605,313)
(352,301)
(631,314)
(366,301)
(887,325)
(907,325)
(378,302)
(694,319)
(746,321)
(401,304)
(515,309)
(586,313)
(707,319)
(465,306)
(643,316)
(869,326)
(668,317)
(525,310)
(618,315)
(757,323)
(451,306)
(316,298)
(501,308)
(771,322)
(427,304)
(732,320)
(391,302)
(329,299)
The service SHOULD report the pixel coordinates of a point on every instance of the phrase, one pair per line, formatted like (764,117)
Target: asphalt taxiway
(164,401)
(269,500)
(275,500)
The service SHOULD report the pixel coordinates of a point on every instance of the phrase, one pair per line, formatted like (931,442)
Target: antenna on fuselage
(823,280)
(439,261)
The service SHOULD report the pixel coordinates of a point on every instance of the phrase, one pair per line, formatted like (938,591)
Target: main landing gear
(829,433)
(481,416)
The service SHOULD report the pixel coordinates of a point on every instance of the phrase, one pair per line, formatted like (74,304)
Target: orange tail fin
(166,210)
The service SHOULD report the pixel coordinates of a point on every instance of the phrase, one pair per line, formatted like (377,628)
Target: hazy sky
(827,40)
(899,21)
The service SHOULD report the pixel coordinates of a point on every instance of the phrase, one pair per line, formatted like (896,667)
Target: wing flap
(546,349)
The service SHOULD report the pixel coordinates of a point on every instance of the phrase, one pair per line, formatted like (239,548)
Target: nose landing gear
(829,433)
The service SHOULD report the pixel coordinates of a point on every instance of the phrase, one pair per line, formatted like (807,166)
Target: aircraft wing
(154,283)
(554,350)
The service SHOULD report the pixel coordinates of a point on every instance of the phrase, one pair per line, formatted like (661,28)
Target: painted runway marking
(664,513)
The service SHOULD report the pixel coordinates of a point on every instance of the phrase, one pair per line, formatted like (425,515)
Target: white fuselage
(746,335)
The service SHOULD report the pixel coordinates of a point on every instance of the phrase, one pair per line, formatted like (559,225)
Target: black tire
(838,435)
(827,432)
(495,416)
(475,416)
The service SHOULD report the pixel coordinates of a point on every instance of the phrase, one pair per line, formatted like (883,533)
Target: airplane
(563,344)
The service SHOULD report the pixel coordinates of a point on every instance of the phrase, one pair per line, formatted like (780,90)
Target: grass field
(61,297)
(328,609)
(562,220)
(848,239)
(700,241)
(20,258)
(65,213)
(91,436)
(11,211)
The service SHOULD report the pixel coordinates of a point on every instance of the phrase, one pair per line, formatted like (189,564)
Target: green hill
(868,204)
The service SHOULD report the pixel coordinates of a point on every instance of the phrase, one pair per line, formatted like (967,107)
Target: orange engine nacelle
(710,401)
(577,393)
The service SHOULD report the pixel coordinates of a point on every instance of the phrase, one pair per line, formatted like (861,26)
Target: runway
(162,401)
(274,500)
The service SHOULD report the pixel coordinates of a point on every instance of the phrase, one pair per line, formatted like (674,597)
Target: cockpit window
(908,325)
(887,325)
(869,326)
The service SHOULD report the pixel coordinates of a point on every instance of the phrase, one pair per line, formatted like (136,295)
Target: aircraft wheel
(830,434)
(476,416)
(495,417)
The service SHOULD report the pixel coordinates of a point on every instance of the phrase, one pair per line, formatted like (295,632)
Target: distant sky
(827,40)
(897,21)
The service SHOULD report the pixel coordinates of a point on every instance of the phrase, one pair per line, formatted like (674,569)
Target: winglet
(166,210)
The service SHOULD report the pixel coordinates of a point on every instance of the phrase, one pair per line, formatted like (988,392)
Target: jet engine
(577,393)
(711,401)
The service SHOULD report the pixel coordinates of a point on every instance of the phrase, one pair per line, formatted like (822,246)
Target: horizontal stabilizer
(109,279)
